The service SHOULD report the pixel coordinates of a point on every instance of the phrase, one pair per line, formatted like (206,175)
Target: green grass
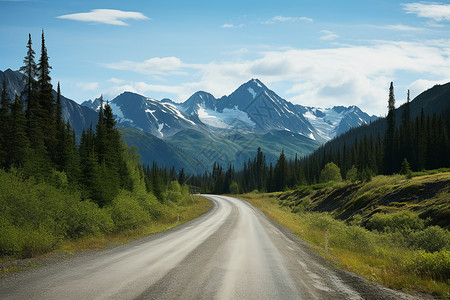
(394,257)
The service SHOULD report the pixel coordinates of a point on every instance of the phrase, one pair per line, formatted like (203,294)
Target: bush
(435,265)
(431,239)
(358,239)
(86,218)
(126,212)
(173,192)
(404,221)
(234,188)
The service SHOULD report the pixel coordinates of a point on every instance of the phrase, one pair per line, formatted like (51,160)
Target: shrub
(173,193)
(401,221)
(86,218)
(431,239)
(126,212)
(234,188)
(358,239)
(435,265)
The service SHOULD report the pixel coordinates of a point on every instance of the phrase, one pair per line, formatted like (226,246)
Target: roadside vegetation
(37,217)
(56,193)
(386,230)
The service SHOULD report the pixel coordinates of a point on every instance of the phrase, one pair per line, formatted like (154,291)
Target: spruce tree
(30,71)
(281,173)
(5,123)
(46,110)
(389,139)
(17,144)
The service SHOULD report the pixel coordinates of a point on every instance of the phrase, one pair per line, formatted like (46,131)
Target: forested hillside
(412,138)
(52,189)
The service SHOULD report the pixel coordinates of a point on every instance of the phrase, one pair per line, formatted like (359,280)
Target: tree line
(413,145)
(53,189)
(35,139)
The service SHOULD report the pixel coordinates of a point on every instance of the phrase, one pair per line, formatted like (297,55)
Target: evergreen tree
(406,169)
(58,112)
(62,136)
(17,144)
(389,140)
(182,177)
(30,70)
(281,173)
(46,110)
(5,123)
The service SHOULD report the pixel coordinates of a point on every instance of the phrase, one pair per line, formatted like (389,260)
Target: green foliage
(431,239)
(234,188)
(406,169)
(85,218)
(401,221)
(174,191)
(435,265)
(352,174)
(330,172)
(127,213)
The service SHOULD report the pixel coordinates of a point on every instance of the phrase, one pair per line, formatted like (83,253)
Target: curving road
(231,252)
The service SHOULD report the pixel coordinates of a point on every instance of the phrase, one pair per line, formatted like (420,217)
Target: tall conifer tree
(389,139)
(29,68)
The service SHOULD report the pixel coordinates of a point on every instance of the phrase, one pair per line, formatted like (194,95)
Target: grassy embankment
(37,218)
(383,230)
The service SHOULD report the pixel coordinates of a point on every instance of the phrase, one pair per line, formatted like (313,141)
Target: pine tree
(17,144)
(30,70)
(58,112)
(62,136)
(389,140)
(406,169)
(281,173)
(5,124)
(46,109)
(182,177)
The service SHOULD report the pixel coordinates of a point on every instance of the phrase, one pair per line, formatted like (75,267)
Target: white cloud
(106,16)
(287,19)
(232,26)
(328,35)
(399,27)
(345,75)
(116,80)
(436,11)
(87,86)
(155,65)
(228,26)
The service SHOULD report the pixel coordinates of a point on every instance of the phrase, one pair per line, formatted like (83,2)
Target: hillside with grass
(426,195)
(391,230)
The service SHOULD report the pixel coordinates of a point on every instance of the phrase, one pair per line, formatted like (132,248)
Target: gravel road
(231,252)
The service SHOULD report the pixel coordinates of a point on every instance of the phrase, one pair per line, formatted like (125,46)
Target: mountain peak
(255,84)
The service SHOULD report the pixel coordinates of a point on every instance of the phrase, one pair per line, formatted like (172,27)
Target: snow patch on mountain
(160,128)
(251,91)
(174,109)
(225,119)
(117,112)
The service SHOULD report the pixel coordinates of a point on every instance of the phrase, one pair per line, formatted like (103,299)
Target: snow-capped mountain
(161,119)
(331,122)
(255,107)
(250,108)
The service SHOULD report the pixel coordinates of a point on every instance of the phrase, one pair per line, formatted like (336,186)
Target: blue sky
(314,53)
